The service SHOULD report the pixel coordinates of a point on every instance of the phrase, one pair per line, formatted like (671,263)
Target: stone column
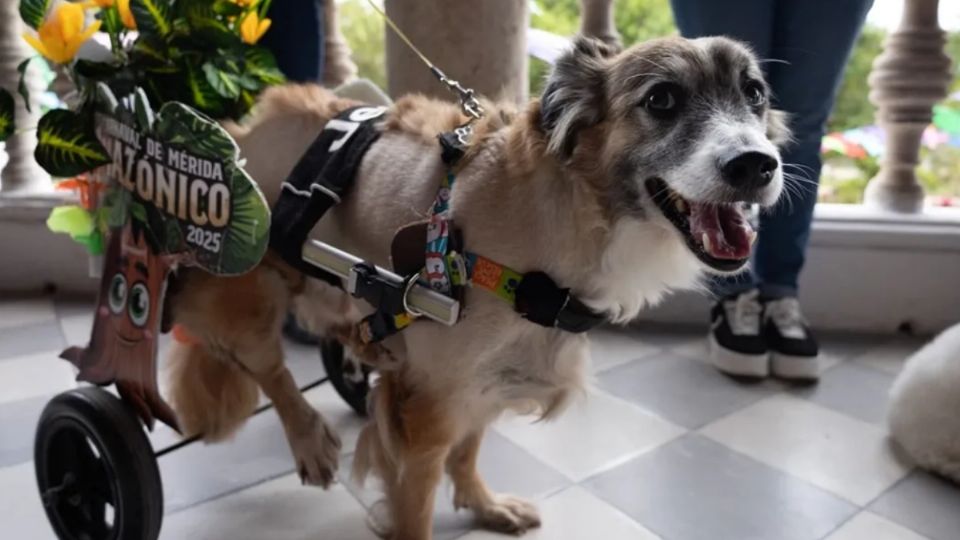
(338,66)
(911,76)
(21,176)
(596,20)
(482,44)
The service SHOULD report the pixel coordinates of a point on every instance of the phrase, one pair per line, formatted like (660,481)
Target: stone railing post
(21,176)
(596,20)
(482,44)
(338,66)
(907,80)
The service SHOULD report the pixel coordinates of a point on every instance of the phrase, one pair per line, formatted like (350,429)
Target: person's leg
(750,21)
(296,38)
(736,343)
(814,40)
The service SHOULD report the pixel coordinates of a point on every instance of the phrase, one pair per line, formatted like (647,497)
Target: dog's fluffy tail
(212,397)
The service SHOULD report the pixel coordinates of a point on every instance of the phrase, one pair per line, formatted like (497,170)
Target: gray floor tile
(852,389)
(505,467)
(303,361)
(667,335)
(925,503)
(32,338)
(695,489)
(612,347)
(199,472)
(18,424)
(684,391)
(844,345)
(71,306)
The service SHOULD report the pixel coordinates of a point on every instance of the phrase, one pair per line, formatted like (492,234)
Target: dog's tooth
(705,238)
(681,206)
(752,236)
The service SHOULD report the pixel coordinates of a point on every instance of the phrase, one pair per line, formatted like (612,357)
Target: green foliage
(7,108)
(33,11)
(852,108)
(22,85)
(153,16)
(66,144)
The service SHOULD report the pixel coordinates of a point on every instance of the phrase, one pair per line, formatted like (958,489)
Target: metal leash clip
(468,99)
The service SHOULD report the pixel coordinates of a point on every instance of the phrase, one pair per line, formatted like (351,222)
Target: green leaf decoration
(151,49)
(261,64)
(152,16)
(227,8)
(143,110)
(34,11)
(96,70)
(22,85)
(225,84)
(66,144)
(249,224)
(202,95)
(138,211)
(112,23)
(7,108)
(180,125)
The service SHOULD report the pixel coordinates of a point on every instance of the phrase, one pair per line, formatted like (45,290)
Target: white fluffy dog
(925,405)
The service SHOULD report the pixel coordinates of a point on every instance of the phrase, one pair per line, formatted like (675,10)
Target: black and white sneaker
(793,349)
(737,345)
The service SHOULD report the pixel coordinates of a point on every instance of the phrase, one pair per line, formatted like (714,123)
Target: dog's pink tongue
(722,230)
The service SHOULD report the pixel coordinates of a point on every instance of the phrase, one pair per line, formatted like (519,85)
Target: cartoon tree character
(123,343)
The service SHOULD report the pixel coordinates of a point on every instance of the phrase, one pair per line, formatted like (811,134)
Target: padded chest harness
(323,177)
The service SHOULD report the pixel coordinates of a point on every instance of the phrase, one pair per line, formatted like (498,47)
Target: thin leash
(468,99)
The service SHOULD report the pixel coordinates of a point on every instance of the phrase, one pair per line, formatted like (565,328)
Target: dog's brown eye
(756,97)
(663,100)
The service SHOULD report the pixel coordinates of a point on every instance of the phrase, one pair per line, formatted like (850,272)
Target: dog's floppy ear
(777,129)
(574,95)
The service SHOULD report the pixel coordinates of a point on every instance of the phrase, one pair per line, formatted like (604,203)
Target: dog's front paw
(508,514)
(317,453)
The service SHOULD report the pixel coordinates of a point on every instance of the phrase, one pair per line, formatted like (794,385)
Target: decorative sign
(181,168)
(176,195)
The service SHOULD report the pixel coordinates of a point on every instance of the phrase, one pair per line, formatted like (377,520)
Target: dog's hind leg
(500,513)
(406,443)
(314,444)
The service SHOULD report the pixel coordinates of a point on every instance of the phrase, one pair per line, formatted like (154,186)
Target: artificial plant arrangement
(201,53)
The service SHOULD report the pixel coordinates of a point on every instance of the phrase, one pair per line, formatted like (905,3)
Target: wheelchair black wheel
(349,377)
(96,471)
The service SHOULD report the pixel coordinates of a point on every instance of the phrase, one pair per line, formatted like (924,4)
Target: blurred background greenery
(843,179)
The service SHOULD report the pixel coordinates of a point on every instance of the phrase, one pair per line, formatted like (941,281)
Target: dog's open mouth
(717,233)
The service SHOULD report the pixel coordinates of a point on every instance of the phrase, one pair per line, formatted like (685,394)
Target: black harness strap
(319,181)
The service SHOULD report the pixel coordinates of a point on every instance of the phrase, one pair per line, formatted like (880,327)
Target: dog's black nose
(749,170)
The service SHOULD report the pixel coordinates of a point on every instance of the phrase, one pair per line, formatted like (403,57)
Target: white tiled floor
(869,526)
(840,454)
(662,447)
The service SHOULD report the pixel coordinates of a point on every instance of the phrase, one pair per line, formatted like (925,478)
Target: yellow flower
(126,15)
(252,28)
(62,33)
(99,3)
(246,3)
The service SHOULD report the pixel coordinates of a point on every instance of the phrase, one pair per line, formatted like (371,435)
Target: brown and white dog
(625,180)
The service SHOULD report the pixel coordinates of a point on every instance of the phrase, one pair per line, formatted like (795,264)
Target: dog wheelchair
(97,472)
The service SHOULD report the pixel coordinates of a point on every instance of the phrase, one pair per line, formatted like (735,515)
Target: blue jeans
(809,42)
(296,38)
